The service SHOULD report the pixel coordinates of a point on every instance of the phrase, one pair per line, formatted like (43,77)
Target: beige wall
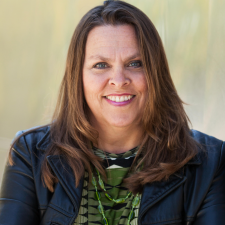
(34,40)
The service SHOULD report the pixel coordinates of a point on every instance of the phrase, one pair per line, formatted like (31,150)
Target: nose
(118,78)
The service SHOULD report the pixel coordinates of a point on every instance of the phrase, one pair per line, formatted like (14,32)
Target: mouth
(122,98)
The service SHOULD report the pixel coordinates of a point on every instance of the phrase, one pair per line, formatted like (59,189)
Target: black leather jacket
(194,196)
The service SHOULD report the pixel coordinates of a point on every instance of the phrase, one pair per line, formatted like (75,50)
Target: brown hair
(167,145)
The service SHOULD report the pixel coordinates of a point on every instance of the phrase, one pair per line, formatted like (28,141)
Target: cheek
(93,87)
(141,84)
(88,87)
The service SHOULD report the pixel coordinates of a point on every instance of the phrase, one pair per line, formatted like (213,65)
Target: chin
(122,122)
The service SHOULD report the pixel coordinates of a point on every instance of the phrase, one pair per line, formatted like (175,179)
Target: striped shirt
(117,168)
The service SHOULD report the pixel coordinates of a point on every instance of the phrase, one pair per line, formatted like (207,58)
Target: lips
(122,98)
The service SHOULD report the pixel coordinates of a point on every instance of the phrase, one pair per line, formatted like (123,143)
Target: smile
(122,98)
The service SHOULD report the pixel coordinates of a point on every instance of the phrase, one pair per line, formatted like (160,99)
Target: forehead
(103,39)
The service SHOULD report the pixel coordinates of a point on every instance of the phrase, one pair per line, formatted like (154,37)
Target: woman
(119,149)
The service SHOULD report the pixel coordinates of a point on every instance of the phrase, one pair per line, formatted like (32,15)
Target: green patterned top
(117,168)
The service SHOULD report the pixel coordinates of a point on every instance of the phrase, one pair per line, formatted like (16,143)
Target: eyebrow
(108,59)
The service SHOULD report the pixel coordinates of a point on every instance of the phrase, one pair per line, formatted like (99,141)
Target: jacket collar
(195,161)
(45,141)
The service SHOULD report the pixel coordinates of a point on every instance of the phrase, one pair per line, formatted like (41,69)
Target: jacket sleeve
(18,201)
(212,210)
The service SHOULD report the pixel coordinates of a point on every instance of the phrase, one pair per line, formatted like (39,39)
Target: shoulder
(30,142)
(33,133)
(210,160)
(205,180)
(211,149)
(205,139)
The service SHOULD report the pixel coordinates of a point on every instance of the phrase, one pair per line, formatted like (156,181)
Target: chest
(161,204)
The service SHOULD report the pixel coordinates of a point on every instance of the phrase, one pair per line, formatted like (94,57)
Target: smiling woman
(119,149)
(115,87)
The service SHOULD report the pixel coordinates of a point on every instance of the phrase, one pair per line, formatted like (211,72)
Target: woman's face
(114,82)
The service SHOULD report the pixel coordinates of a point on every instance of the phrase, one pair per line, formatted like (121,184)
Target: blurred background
(35,35)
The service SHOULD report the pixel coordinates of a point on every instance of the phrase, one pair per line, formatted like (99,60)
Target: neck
(118,140)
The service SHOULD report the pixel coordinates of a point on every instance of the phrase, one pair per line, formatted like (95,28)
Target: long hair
(167,144)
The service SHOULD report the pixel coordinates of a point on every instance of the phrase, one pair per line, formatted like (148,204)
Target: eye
(100,65)
(135,64)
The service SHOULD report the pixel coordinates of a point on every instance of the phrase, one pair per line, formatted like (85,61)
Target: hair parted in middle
(167,144)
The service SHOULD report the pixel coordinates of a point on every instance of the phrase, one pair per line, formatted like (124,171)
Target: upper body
(116,94)
(195,195)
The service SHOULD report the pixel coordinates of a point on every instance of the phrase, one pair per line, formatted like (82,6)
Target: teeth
(120,98)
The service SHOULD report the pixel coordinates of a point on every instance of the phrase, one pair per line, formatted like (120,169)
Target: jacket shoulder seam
(15,200)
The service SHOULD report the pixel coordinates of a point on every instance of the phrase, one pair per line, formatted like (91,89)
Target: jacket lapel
(62,170)
(154,192)
(66,178)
